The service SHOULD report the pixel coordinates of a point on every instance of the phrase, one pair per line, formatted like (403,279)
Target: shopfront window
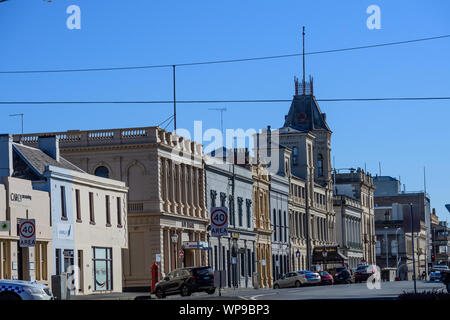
(102,260)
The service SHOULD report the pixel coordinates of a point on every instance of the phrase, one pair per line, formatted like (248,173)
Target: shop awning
(333,255)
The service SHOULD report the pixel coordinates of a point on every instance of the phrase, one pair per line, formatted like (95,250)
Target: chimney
(434,211)
(6,157)
(50,146)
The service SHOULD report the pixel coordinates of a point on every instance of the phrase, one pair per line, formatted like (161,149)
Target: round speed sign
(27,229)
(219,217)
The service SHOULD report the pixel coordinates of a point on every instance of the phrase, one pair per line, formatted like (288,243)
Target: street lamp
(174,239)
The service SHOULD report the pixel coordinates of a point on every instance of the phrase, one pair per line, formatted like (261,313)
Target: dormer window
(320,165)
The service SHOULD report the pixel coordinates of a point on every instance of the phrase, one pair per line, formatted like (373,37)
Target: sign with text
(219,221)
(27,232)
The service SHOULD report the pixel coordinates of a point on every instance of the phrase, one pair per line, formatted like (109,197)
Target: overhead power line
(223,61)
(219,101)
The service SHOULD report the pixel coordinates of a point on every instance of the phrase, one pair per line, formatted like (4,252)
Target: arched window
(102,172)
(320,165)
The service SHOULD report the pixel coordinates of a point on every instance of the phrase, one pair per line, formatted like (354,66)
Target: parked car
(312,278)
(326,278)
(290,279)
(339,269)
(446,278)
(185,281)
(24,290)
(435,274)
(343,276)
(363,272)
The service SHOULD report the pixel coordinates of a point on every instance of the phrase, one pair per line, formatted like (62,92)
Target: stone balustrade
(92,138)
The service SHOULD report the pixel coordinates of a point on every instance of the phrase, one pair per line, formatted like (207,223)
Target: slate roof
(39,159)
(305,115)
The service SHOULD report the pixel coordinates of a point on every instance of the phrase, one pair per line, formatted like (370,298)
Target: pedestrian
(424,275)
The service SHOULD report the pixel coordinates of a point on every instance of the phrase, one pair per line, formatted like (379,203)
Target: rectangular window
(58,261)
(231,210)
(216,264)
(108,213)
(77,204)
(91,207)
(240,211)
(119,212)
(248,214)
(274,225)
(242,263)
(63,203)
(102,261)
(249,262)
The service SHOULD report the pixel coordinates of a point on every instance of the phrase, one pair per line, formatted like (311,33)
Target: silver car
(311,278)
(24,290)
(290,279)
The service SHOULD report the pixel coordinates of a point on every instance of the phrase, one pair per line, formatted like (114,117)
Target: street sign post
(27,232)
(219,227)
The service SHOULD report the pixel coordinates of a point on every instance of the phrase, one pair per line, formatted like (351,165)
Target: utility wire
(220,101)
(223,61)
(160,124)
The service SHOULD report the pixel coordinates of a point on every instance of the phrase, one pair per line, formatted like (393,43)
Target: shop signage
(19,197)
(187,224)
(27,233)
(219,221)
(65,231)
(194,244)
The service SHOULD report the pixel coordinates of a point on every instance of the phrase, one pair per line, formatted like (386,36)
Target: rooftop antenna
(221,117)
(16,115)
(303,83)
(379,167)
(424,181)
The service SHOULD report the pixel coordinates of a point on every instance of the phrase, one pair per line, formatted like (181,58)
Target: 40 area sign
(27,232)
(219,221)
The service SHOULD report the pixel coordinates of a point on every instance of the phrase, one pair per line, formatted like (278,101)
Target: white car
(24,290)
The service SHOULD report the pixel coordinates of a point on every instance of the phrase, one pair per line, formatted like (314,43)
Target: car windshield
(323,273)
(362,268)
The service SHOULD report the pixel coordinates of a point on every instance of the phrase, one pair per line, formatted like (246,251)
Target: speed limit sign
(219,221)
(27,233)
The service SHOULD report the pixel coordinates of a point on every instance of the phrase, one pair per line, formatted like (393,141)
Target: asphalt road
(386,291)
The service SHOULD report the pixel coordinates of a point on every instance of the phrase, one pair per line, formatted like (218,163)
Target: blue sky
(403,136)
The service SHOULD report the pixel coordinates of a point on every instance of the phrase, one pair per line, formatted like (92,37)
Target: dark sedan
(185,281)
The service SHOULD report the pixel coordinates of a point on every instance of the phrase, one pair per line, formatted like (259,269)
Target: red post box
(155,275)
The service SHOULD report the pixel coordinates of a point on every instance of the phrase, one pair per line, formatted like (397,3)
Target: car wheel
(211,291)
(276,286)
(159,293)
(298,284)
(185,291)
(9,296)
(448,287)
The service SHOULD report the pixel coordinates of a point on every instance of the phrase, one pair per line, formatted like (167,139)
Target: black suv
(185,281)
